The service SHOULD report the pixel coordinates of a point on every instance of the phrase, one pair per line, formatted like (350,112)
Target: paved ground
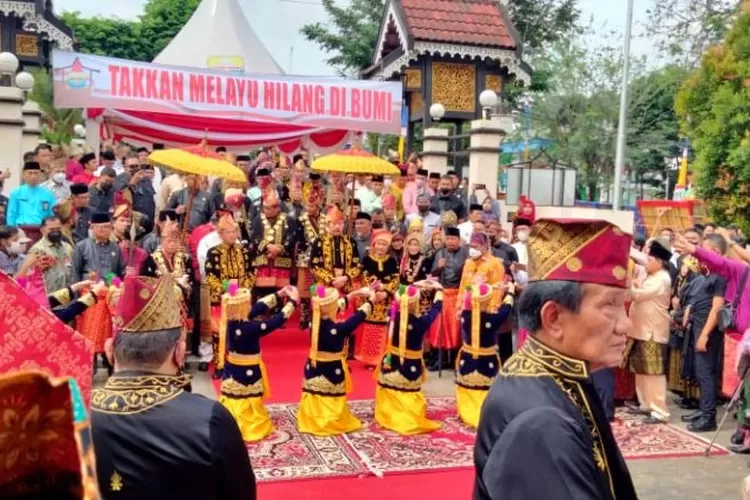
(663,479)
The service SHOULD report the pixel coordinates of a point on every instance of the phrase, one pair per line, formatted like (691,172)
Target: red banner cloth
(32,338)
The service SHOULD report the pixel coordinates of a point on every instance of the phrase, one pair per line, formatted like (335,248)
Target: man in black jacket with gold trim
(153,438)
(543,432)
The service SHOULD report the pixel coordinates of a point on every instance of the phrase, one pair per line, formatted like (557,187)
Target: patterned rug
(287,454)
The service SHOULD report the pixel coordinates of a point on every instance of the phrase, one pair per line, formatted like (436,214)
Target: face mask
(474,253)
(445,191)
(106,187)
(523,236)
(15,248)
(59,178)
(504,240)
(54,236)
(377,225)
(420,184)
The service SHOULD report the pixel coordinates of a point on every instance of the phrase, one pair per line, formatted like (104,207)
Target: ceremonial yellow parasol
(354,161)
(196,160)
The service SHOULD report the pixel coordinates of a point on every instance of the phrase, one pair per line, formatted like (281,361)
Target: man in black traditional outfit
(543,432)
(153,438)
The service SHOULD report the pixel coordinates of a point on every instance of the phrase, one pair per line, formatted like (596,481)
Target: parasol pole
(186,215)
(351,205)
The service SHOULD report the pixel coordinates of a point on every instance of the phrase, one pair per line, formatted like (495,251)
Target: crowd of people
(405,274)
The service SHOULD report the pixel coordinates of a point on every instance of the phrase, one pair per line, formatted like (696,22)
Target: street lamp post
(488,101)
(623,122)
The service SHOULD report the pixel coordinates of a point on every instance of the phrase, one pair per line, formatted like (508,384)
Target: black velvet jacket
(153,439)
(543,434)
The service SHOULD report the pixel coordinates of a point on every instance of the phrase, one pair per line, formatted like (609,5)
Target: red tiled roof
(474,22)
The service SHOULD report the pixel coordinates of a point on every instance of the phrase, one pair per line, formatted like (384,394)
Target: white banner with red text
(89,81)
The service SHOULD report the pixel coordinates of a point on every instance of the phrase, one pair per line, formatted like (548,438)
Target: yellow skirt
(251,416)
(325,415)
(403,412)
(469,404)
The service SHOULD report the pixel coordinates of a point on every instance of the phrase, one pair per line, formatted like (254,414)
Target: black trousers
(604,383)
(505,345)
(195,310)
(707,374)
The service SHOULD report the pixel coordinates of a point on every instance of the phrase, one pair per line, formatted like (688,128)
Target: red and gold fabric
(371,336)
(45,441)
(95,323)
(586,251)
(32,338)
(146,305)
(448,335)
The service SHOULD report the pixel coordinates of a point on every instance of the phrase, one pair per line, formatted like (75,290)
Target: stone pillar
(32,132)
(484,152)
(435,150)
(93,138)
(11,133)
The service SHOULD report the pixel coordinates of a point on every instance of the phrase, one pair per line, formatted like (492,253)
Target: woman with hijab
(380,272)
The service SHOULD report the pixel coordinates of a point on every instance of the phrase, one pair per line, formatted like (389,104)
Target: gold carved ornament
(416,103)
(454,86)
(493,82)
(413,79)
(27,45)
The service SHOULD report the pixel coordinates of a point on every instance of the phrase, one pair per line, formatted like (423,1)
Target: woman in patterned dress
(380,273)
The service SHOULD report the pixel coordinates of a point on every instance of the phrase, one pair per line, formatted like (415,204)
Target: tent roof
(219,29)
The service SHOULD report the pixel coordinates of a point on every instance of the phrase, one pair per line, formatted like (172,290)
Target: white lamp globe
(25,81)
(488,98)
(8,63)
(437,111)
(79,130)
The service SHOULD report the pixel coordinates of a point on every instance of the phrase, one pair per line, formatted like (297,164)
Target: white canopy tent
(219,36)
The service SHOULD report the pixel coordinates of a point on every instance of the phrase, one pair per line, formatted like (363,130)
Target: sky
(277,24)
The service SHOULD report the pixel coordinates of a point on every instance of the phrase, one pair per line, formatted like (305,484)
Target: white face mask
(15,248)
(474,253)
(59,177)
(523,236)
(504,240)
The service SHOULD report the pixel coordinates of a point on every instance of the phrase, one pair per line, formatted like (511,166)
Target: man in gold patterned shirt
(334,259)
(273,236)
(228,260)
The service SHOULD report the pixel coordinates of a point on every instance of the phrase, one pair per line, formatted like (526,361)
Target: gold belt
(480,351)
(408,354)
(243,359)
(324,356)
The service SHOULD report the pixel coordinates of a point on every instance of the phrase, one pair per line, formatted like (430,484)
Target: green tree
(134,40)
(714,109)
(351,33)
(540,22)
(107,37)
(161,21)
(682,30)
(579,110)
(57,124)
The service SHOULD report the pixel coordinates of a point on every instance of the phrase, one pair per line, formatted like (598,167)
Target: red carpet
(447,485)
(285,352)
(373,463)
